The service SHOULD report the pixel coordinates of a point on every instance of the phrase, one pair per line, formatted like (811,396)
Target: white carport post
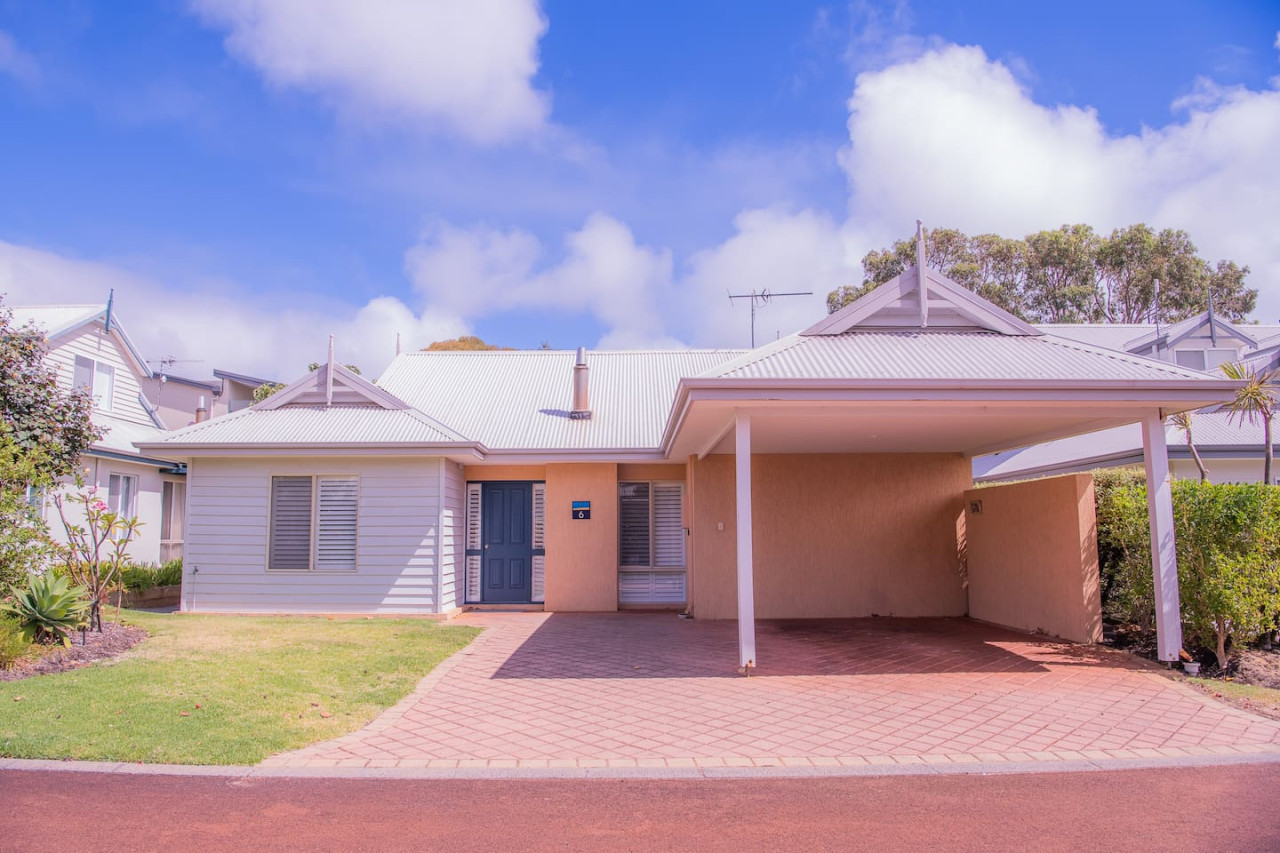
(746,570)
(1164,556)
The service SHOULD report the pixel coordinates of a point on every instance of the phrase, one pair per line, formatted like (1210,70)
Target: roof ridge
(1127,357)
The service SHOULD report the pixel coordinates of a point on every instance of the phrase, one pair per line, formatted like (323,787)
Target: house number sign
(581,510)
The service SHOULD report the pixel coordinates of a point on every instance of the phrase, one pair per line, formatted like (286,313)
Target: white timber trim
(1164,555)
(746,568)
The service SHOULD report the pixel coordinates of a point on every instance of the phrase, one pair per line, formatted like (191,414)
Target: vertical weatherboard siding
(400,511)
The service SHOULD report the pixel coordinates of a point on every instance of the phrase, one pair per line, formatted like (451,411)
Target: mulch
(86,649)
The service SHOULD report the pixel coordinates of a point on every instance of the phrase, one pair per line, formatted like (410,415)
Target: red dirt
(1194,808)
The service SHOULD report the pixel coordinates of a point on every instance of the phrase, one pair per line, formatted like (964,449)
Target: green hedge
(1228,540)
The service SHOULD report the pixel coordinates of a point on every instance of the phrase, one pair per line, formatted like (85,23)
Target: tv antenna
(169,361)
(762,298)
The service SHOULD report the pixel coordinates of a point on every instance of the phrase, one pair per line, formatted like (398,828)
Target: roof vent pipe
(202,410)
(581,408)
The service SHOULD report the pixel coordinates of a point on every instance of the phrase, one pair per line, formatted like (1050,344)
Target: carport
(907,384)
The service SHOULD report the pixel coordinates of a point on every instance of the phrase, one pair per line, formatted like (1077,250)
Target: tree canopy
(463,342)
(35,414)
(1073,274)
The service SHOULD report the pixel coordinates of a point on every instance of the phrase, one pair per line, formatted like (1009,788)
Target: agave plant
(49,609)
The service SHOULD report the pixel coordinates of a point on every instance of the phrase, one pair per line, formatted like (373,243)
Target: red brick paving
(652,690)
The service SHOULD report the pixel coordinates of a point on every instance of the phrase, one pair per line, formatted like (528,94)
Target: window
(1204,359)
(313,523)
(122,495)
(651,543)
(173,508)
(99,378)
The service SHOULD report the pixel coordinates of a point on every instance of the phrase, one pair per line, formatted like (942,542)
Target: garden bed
(86,648)
(156,596)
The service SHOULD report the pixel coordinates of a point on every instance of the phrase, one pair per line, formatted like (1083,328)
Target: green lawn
(223,689)
(1260,700)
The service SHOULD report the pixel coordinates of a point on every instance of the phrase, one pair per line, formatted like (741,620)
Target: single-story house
(88,350)
(826,474)
(1231,447)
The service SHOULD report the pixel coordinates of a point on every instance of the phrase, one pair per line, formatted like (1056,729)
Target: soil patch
(87,648)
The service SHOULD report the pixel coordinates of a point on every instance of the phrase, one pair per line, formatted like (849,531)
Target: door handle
(486,547)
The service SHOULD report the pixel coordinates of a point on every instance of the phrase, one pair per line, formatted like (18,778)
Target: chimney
(202,410)
(581,408)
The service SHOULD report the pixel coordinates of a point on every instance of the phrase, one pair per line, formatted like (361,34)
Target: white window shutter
(473,542)
(539,580)
(337,515)
(290,546)
(668,525)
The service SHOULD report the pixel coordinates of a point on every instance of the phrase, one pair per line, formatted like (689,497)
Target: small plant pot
(1191,668)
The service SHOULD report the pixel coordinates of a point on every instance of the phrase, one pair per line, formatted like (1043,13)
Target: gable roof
(313,427)
(1172,334)
(520,400)
(346,388)
(59,320)
(944,355)
(930,301)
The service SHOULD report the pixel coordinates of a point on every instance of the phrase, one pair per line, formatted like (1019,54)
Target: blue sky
(253,176)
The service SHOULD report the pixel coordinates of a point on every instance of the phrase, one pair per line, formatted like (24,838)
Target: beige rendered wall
(1033,557)
(835,535)
(582,555)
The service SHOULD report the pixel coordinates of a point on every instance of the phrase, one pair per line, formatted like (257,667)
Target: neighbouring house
(180,401)
(1231,448)
(826,474)
(88,354)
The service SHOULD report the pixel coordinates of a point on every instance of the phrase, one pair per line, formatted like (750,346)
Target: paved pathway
(637,690)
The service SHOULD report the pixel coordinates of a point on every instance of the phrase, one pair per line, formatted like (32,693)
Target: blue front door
(506,528)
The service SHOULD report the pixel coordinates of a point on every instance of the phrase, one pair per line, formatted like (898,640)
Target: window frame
(131,511)
(313,543)
(653,532)
(103,398)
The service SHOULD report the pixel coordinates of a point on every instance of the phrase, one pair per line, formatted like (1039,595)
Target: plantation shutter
(539,581)
(473,542)
(651,544)
(668,525)
(633,525)
(337,512)
(290,546)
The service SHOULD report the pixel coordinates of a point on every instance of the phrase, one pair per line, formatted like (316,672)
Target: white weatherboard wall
(92,342)
(453,518)
(228,502)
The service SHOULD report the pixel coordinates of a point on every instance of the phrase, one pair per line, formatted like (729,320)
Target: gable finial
(921,275)
(328,378)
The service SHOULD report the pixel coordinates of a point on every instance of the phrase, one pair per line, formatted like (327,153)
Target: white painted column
(1164,556)
(746,569)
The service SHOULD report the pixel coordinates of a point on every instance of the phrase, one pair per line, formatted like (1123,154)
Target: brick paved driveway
(645,689)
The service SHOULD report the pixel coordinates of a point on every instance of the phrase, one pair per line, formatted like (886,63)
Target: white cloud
(481,271)
(265,336)
(953,138)
(15,61)
(465,64)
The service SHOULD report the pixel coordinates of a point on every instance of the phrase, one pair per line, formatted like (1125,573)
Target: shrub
(13,642)
(1228,550)
(139,578)
(48,609)
(170,574)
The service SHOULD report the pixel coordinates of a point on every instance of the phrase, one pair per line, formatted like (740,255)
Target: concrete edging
(756,771)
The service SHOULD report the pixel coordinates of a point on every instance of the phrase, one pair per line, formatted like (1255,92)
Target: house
(826,474)
(1231,449)
(180,401)
(89,348)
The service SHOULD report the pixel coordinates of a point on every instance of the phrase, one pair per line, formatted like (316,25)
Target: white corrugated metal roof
(944,355)
(292,426)
(1217,430)
(122,434)
(521,399)
(1120,336)
(53,319)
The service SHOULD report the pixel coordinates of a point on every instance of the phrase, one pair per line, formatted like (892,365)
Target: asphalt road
(1233,809)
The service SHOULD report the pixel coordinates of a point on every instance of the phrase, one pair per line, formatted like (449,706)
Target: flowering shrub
(96,551)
